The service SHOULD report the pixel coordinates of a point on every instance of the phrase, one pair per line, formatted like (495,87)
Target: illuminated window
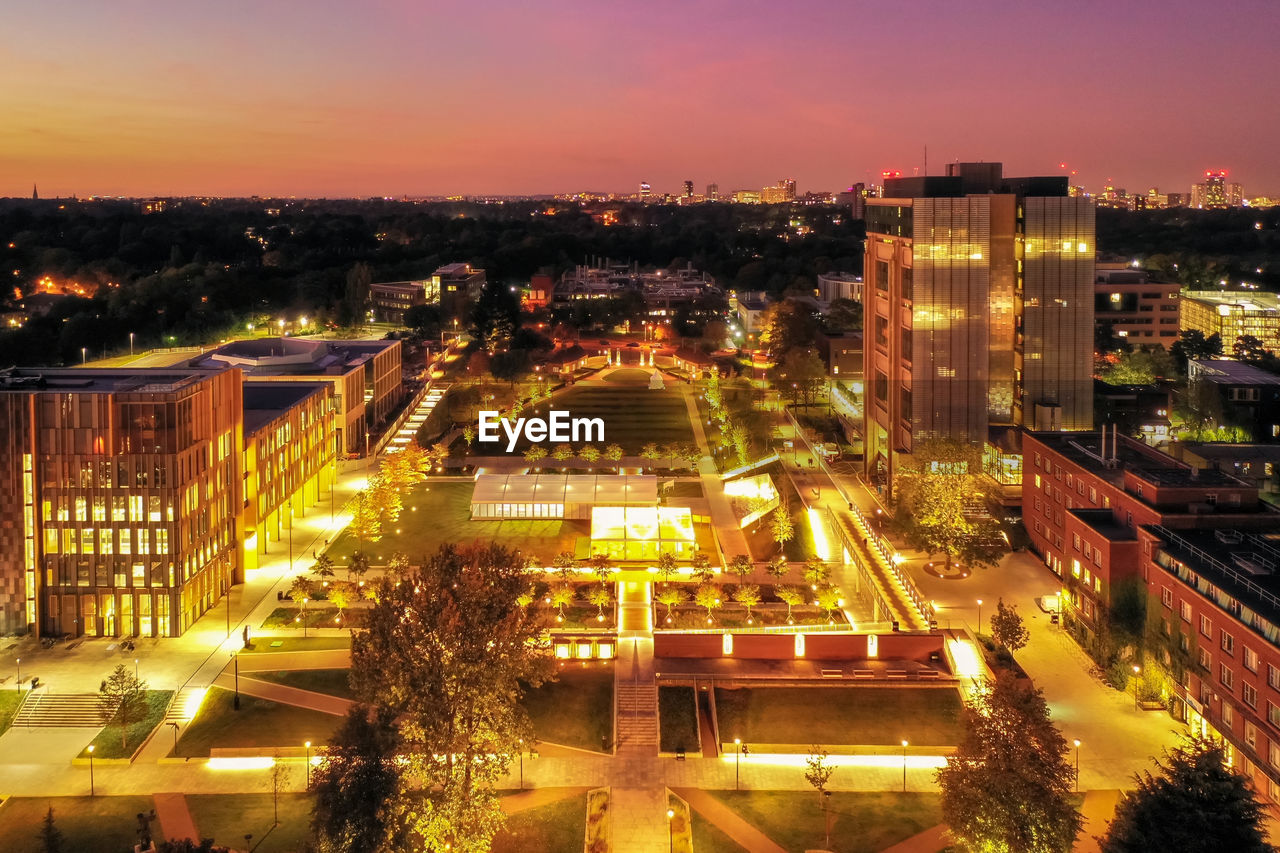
(604,651)
(873,646)
(562,651)
(81,514)
(726,643)
(799,645)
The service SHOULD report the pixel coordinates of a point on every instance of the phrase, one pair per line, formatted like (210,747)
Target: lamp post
(737,764)
(291,534)
(307,744)
(1136,669)
(175,739)
(304,618)
(19,662)
(1077,743)
(904,767)
(671,839)
(93,792)
(135,669)
(236,699)
(826,817)
(979,615)
(131,344)
(521,764)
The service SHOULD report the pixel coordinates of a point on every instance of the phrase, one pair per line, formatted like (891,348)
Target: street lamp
(671,840)
(904,767)
(1136,669)
(1077,743)
(84,355)
(131,344)
(521,764)
(979,615)
(19,661)
(304,618)
(737,763)
(826,817)
(307,744)
(92,790)
(135,669)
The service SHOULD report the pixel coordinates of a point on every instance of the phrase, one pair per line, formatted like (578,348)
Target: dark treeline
(199,270)
(1197,247)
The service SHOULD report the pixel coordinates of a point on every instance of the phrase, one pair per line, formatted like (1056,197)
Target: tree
(819,772)
(356,297)
(323,567)
(561,597)
(340,597)
(562,452)
(939,498)
(742,566)
(843,315)
(397,567)
(279,776)
(469,435)
(122,699)
(671,596)
(366,517)
(781,526)
(650,452)
(601,567)
(830,599)
(613,453)
(447,655)
(535,454)
(49,836)
(1249,349)
(564,564)
(691,454)
(355,783)
(1140,367)
(1007,628)
(701,565)
(778,567)
(708,596)
(802,374)
(666,565)
(816,572)
(791,597)
(601,598)
(358,565)
(1195,804)
(425,320)
(589,454)
(1008,785)
(1192,343)
(300,589)
(748,595)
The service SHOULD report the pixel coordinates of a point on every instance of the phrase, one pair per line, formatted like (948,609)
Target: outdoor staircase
(58,710)
(185,704)
(637,716)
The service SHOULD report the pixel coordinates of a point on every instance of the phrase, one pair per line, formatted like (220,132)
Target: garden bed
(678,720)
(860,822)
(576,709)
(553,828)
(258,724)
(107,743)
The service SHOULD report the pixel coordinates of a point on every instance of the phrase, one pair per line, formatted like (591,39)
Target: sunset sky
(388,97)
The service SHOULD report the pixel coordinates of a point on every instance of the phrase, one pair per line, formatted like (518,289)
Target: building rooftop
(455,269)
(1102,522)
(602,489)
(292,356)
(1222,371)
(1255,300)
(266,401)
(1243,564)
(102,380)
(1086,450)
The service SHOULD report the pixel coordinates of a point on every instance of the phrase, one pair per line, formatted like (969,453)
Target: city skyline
(344,101)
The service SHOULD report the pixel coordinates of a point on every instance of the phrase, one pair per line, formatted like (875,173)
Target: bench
(833,673)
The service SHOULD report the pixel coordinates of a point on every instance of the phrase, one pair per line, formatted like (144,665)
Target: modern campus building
(1232,314)
(1134,307)
(978,294)
(1086,494)
(131,499)
(1239,397)
(392,299)
(366,376)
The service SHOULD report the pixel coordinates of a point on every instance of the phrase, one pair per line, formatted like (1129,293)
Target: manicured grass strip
(332,682)
(925,716)
(633,416)
(107,743)
(554,828)
(258,723)
(298,644)
(860,823)
(678,720)
(227,818)
(87,824)
(707,838)
(577,709)
(9,702)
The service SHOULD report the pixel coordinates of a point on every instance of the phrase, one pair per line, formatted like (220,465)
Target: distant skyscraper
(780,193)
(688,189)
(1216,192)
(788,187)
(979,301)
(713,192)
(645,191)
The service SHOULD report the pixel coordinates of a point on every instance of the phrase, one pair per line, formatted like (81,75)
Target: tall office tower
(645,191)
(788,186)
(1211,193)
(979,300)
(713,192)
(688,189)
(1235,195)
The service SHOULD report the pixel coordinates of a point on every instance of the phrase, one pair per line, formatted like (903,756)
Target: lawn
(298,644)
(334,682)
(87,824)
(925,716)
(677,720)
(707,838)
(860,823)
(633,417)
(287,617)
(226,818)
(760,533)
(443,515)
(107,743)
(577,709)
(9,702)
(554,828)
(258,723)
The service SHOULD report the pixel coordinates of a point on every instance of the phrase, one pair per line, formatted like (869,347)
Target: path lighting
(307,744)
(1077,744)
(1136,669)
(979,615)
(671,843)
(92,790)
(904,767)
(737,764)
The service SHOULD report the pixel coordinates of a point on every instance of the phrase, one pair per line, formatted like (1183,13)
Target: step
(58,710)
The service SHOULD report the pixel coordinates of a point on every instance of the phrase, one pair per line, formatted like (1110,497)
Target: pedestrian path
(175,817)
(729,536)
(297,697)
(728,821)
(930,840)
(1098,810)
(525,800)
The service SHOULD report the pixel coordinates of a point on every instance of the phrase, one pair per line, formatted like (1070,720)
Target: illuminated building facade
(1233,314)
(978,297)
(391,299)
(122,494)
(1134,307)
(1216,192)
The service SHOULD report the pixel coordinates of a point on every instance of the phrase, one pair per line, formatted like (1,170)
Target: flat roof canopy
(601,489)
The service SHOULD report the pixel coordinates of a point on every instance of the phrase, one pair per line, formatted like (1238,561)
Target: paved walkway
(931,840)
(730,539)
(1098,809)
(538,798)
(286,695)
(175,817)
(728,821)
